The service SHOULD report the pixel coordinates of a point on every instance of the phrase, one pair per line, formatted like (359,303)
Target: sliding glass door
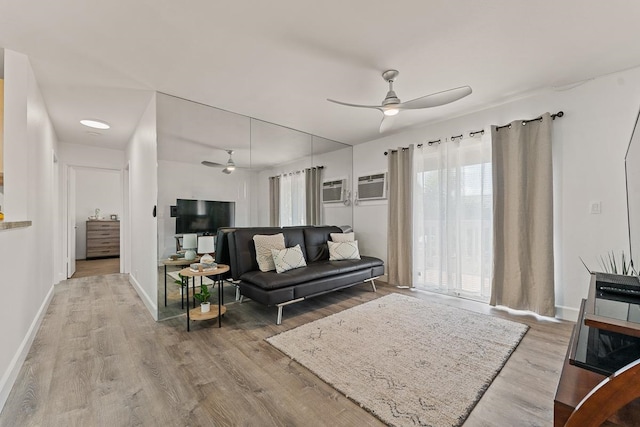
(453,218)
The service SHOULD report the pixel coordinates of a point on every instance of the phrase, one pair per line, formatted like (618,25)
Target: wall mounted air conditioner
(372,187)
(334,191)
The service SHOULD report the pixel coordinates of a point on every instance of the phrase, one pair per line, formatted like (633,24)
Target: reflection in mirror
(1,133)
(632,169)
(189,133)
(337,159)
(280,154)
(317,163)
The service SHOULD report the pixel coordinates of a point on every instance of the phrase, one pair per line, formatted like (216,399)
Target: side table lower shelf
(196,314)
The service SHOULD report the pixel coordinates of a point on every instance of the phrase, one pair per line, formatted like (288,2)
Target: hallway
(96,267)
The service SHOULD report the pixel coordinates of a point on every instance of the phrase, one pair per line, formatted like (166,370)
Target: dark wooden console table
(577,382)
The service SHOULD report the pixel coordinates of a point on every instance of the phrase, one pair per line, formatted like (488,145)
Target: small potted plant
(203,296)
(180,282)
(610,265)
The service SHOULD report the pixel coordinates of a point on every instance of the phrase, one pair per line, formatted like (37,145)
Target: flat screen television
(632,171)
(203,216)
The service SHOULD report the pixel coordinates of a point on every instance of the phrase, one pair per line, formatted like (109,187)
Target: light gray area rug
(407,361)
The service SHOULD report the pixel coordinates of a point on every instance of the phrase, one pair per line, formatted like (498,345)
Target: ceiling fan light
(230,165)
(391,111)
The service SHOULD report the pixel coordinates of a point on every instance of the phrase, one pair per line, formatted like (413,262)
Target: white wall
(95,189)
(370,217)
(90,156)
(142,161)
(29,147)
(337,165)
(177,180)
(589,147)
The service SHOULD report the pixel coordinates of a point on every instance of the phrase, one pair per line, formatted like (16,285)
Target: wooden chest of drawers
(103,239)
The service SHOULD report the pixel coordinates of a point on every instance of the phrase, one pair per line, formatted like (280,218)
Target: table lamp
(206,246)
(190,243)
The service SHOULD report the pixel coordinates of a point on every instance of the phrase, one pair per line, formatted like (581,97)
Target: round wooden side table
(214,274)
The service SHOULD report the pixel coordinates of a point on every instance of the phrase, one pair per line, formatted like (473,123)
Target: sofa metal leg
(282,304)
(238,296)
(241,298)
(279,319)
(372,283)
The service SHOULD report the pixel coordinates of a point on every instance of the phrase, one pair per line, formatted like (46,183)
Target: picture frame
(114,217)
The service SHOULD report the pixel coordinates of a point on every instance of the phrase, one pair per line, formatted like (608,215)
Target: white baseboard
(9,377)
(151,304)
(567,313)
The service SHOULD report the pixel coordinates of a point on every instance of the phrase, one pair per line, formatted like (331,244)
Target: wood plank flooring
(99,359)
(96,267)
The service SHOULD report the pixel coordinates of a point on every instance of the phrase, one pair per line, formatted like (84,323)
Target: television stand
(576,382)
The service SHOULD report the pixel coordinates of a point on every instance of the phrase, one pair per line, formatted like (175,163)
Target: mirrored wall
(190,133)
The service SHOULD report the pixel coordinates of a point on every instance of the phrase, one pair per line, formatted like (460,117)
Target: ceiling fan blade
(378,107)
(211,164)
(227,171)
(436,99)
(387,123)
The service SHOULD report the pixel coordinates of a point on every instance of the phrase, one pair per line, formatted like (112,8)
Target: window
(292,199)
(453,218)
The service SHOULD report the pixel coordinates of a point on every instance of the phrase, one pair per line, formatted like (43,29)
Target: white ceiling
(279,60)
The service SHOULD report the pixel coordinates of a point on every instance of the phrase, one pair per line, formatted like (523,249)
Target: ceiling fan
(229,167)
(391,105)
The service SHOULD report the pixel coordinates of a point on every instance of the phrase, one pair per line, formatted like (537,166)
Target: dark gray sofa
(279,289)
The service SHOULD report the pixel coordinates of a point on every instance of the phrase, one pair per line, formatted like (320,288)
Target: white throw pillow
(343,250)
(264,244)
(288,259)
(343,237)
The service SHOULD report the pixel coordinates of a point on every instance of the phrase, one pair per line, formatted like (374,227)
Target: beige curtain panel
(400,230)
(313,202)
(523,216)
(274,201)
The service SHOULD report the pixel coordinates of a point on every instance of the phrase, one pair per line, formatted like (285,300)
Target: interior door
(71,223)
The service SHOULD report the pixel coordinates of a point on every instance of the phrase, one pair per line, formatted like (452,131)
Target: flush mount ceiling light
(96,124)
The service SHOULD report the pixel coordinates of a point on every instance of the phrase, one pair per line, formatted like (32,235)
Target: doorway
(94,209)
(96,267)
